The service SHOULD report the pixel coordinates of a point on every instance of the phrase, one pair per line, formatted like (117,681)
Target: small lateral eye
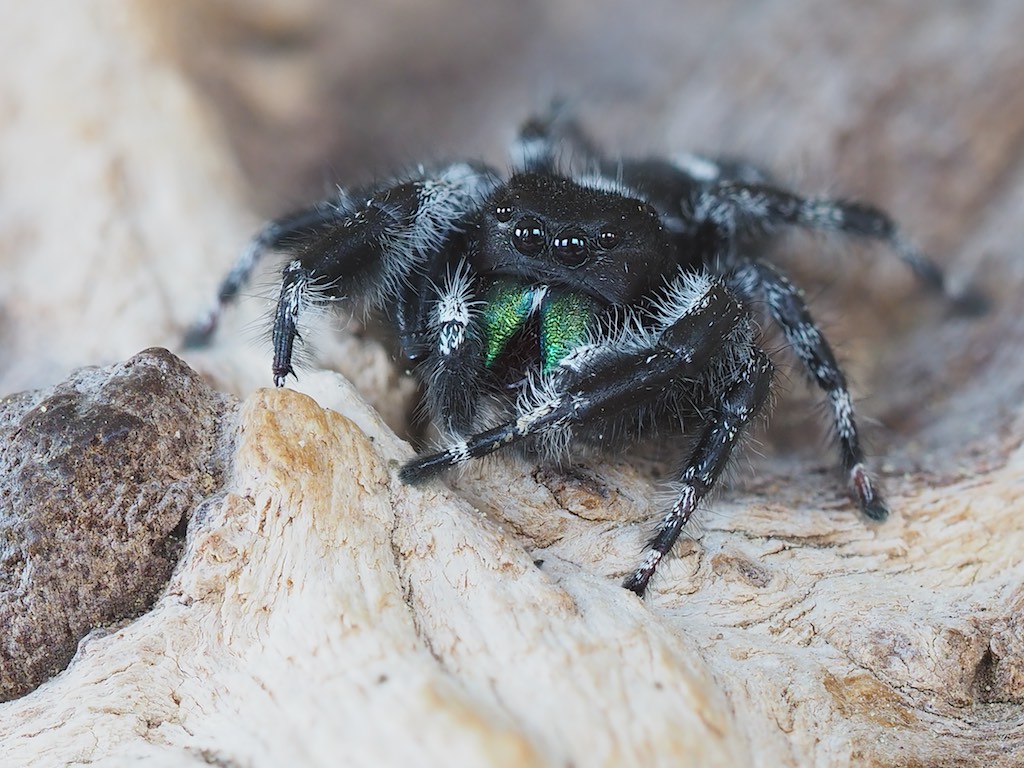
(608,239)
(503,213)
(528,236)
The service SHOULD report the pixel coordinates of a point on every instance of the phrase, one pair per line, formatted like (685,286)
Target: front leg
(371,254)
(453,365)
(605,380)
(275,235)
(741,402)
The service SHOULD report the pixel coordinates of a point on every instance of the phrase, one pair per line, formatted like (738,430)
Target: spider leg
(600,382)
(734,208)
(372,253)
(273,236)
(787,309)
(704,169)
(595,385)
(544,139)
(742,401)
(456,351)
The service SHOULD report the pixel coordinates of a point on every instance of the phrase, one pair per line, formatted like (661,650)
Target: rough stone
(98,478)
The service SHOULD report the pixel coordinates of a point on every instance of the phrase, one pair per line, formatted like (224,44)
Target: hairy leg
(741,402)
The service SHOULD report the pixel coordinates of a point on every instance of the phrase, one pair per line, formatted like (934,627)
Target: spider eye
(608,239)
(528,236)
(503,213)
(570,248)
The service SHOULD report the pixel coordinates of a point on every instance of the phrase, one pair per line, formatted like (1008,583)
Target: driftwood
(321,612)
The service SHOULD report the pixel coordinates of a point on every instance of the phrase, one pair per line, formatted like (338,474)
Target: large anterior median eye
(570,248)
(528,236)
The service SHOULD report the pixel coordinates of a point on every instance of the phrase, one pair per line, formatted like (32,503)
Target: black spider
(558,310)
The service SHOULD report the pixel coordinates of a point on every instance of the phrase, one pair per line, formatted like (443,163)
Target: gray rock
(98,476)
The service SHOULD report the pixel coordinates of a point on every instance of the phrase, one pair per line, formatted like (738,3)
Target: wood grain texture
(322,613)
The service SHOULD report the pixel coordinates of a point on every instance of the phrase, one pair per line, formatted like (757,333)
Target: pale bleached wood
(323,614)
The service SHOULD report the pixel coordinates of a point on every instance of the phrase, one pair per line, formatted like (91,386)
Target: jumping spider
(557,310)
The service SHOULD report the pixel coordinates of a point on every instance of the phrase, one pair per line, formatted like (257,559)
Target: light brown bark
(323,613)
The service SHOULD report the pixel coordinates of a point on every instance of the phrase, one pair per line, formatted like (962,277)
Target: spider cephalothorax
(555,310)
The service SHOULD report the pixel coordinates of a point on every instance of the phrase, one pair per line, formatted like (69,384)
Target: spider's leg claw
(200,333)
(868,499)
(637,581)
(970,302)
(876,509)
(422,468)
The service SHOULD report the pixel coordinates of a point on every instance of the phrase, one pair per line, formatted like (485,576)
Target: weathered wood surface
(322,613)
